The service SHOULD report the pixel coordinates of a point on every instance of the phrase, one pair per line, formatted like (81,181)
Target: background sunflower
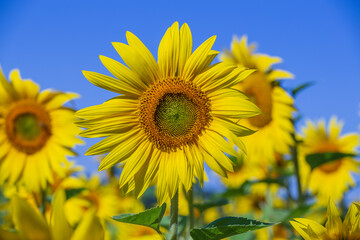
(36,131)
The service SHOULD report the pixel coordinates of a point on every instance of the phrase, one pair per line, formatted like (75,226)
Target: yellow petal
(215,72)
(30,223)
(214,165)
(301,225)
(198,60)
(135,162)
(232,103)
(334,222)
(161,187)
(264,62)
(146,174)
(61,229)
(60,99)
(211,148)
(6,90)
(90,227)
(24,88)
(168,53)
(122,151)
(111,84)
(136,44)
(279,74)
(135,62)
(123,73)
(186,45)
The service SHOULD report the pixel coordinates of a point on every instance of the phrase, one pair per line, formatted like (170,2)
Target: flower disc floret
(28,126)
(174,113)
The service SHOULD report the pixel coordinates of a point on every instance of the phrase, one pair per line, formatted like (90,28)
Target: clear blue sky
(52,41)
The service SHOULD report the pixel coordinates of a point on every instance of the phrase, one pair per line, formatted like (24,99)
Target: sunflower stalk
(43,202)
(174,212)
(191,208)
(294,153)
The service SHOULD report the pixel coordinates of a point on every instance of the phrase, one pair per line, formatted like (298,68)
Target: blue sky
(52,41)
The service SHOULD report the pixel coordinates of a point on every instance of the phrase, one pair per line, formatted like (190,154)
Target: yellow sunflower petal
(144,178)
(198,58)
(135,162)
(264,62)
(302,225)
(168,53)
(110,84)
(144,52)
(30,223)
(211,148)
(122,73)
(24,88)
(279,74)
(7,90)
(234,104)
(90,227)
(60,227)
(121,152)
(135,61)
(334,222)
(185,46)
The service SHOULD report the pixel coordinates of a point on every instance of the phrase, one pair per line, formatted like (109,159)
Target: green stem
(174,212)
(43,201)
(296,165)
(191,208)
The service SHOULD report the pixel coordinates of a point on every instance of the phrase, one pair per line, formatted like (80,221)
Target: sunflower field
(177,139)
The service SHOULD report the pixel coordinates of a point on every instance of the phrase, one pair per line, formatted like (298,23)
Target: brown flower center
(28,126)
(173,113)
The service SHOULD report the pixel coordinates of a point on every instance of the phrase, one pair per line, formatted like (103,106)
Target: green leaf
(73,192)
(317,159)
(301,87)
(214,203)
(227,227)
(149,218)
(165,222)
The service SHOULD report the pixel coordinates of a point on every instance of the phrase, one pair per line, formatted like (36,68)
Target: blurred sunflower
(36,130)
(171,115)
(104,198)
(334,228)
(274,125)
(30,224)
(330,179)
(245,171)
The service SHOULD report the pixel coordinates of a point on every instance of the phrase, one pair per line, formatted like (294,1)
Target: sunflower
(104,198)
(245,171)
(274,125)
(171,114)
(30,224)
(36,130)
(330,179)
(334,228)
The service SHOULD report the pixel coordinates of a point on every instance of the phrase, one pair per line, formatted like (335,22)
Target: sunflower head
(334,228)
(36,130)
(263,89)
(28,126)
(317,138)
(171,115)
